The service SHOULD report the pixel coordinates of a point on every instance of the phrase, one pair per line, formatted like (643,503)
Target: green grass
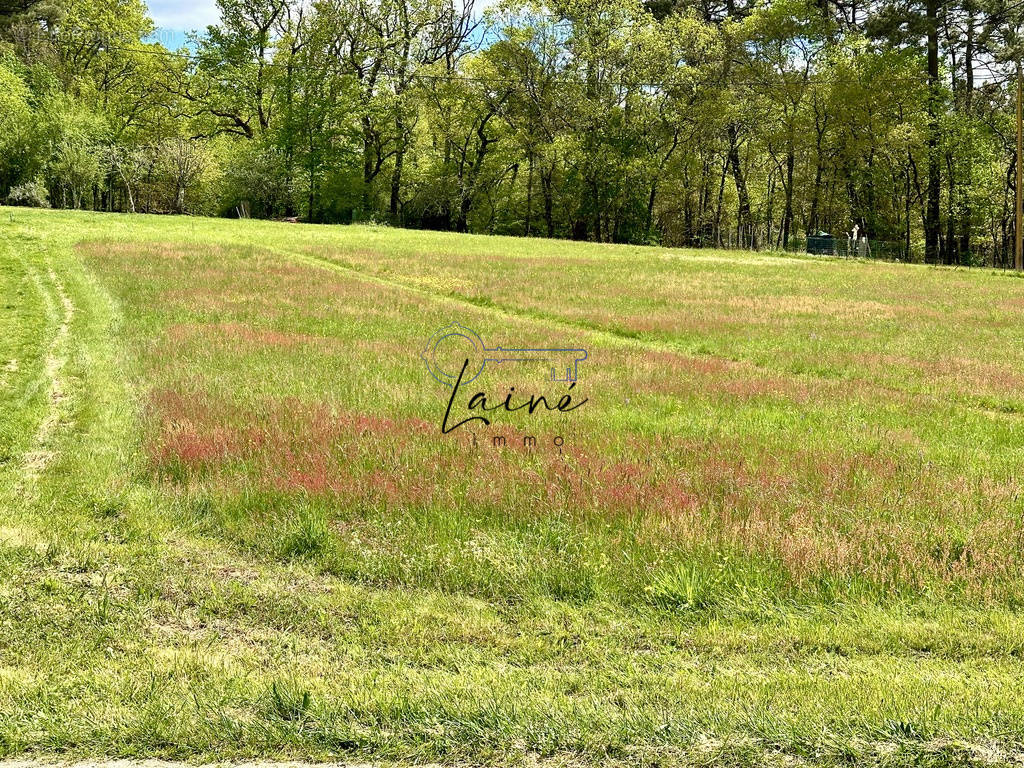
(786,527)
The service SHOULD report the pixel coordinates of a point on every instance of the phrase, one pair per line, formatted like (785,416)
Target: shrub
(32,194)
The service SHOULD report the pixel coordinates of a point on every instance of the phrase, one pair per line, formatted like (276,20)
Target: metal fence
(863,248)
(982,254)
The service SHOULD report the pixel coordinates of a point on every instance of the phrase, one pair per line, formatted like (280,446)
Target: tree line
(679,122)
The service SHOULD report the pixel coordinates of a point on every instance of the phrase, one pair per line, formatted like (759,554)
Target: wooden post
(1018,261)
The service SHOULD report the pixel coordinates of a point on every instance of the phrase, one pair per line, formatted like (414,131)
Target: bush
(256,175)
(32,194)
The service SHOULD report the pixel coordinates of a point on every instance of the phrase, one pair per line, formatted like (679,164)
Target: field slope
(785,528)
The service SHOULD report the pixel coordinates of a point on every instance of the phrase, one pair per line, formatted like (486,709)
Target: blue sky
(175,17)
(183,14)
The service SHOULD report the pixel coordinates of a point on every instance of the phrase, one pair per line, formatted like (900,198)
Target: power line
(795,78)
(493,80)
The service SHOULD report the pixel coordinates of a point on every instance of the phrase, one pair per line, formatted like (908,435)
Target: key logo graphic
(449,347)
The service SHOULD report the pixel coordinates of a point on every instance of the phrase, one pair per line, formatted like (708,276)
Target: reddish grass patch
(240,332)
(288,444)
(816,511)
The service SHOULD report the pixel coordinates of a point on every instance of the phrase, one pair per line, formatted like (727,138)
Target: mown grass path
(223,540)
(60,311)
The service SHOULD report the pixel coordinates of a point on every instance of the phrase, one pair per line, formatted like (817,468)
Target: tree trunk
(703,203)
(721,197)
(906,213)
(529,196)
(952,255)
(744,219)
(128,188)
(396,174)
(650,211)
(931,221)
(787,214)
(966,214)
(368,164)
(549,200)
(812,223)
(688,218)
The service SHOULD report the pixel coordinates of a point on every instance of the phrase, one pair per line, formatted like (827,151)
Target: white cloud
(183,14)
(174,17)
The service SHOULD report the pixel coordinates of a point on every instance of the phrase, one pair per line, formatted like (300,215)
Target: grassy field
(785,528)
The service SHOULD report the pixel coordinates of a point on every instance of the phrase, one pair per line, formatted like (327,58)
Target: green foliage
(659,122)
(16,123)
(14,103)
(76,168)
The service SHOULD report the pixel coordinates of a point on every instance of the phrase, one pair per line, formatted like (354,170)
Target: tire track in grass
(607,334)
(632,340)
(61,309)
(613,336)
